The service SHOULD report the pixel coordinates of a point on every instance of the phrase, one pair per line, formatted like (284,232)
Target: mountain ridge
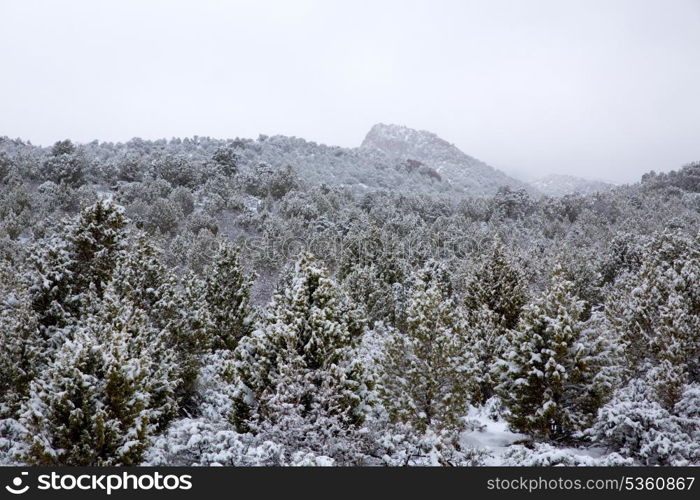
(461,170)
(563,184)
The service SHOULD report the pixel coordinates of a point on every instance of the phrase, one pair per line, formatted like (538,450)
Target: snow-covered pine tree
(549,367)
(63,416)
(66,164)
(140,276)
(499,286)
(487,339)
(635,425)
(52,294)
(379,288)
(187,331)
(299,378)
(428,369)
(137,352)
(175,307)
(494,299)
(24,354)
(24,350)
(108,390)
(84,256)
(656,314)
(227,295)
(96,239)
(374,273)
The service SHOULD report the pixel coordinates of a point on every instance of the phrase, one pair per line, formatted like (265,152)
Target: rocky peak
(403,142)
(444,159)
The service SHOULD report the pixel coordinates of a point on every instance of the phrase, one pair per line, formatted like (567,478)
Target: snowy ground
(492,436)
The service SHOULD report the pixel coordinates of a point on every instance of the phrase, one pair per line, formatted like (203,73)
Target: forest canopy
(279,302)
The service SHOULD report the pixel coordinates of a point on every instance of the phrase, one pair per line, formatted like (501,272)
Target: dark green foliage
(428,370)
(299,362)
(227,158)
(65,165)
(227,295)
(551,381)
(499,286)
(76,262)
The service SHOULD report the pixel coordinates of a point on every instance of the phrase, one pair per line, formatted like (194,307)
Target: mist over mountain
(463,172)
(390,157)
(561,185)
(401,158)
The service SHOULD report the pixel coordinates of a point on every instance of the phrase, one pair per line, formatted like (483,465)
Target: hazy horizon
(601,90)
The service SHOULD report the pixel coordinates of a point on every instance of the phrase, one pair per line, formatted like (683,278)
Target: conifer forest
(280,302)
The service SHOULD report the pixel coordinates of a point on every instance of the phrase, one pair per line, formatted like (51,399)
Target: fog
(601,89)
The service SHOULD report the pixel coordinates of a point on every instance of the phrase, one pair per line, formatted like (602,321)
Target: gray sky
(603,89)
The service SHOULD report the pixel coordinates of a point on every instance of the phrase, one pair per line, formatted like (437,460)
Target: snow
(456,168)
(489,435)
(562,185)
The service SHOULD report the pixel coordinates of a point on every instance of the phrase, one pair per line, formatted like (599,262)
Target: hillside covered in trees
(280,302)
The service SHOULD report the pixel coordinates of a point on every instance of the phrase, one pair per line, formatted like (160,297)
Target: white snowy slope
(561,185)
(391,157)
(460,170)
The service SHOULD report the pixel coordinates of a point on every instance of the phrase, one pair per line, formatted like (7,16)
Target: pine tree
(379,288)
(669,371)
(63,414)
(227,294)
(175,307)
(83,257)
(494,299)
(299,379)
(500,287)
(52,292)
(428,369)
(487,341)
(137,357)
(109,388)
(187,330)
(140,275)
(656,314)
(66,164)
(24,351)
(96,239)
(549,366)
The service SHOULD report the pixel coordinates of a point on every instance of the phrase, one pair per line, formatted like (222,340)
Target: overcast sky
(603,89)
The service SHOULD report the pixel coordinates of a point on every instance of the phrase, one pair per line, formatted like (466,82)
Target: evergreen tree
(187,330)
(299,379)
(227,158)
(95,240)
(227,294)
(71,264)
(175,307)
(500,287)
(656,314)
(487,341)
(428,369)
(379,288)
(549,382)
(109,388)
(66,164)
(141,277)
(494,299)
(24,350)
